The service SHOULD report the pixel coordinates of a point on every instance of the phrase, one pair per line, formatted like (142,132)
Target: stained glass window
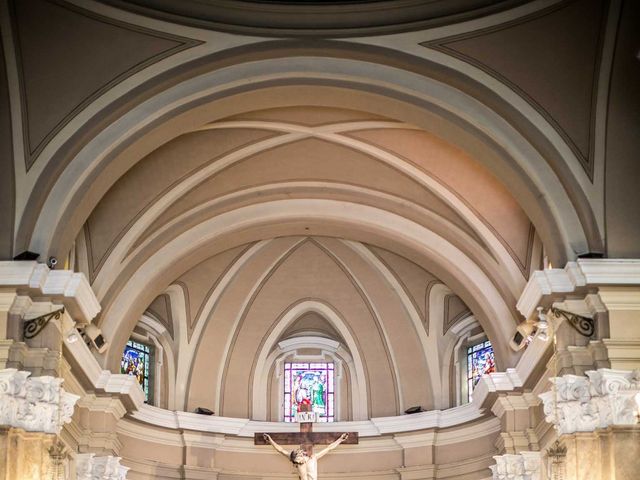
(480,360)
(312,384)
(136,360)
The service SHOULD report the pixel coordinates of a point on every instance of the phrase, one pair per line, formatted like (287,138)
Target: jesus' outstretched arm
(333,445)
(276,446)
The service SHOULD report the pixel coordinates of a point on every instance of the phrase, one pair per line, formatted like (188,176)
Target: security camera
(93,337)
(52,262)
(524,334)
(72,336)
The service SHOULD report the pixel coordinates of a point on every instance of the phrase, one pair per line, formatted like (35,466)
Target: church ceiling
(254,300)
(160,308)
(177,163)
(552,59)
(68,56)
(7,180)
(270,153)
(244,306)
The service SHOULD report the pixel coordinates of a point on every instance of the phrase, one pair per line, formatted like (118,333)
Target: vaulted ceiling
(156,148)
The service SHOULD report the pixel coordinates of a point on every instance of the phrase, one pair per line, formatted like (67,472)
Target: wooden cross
(306,438)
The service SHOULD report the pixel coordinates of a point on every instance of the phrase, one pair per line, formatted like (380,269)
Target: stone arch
(508,154)
(479,290)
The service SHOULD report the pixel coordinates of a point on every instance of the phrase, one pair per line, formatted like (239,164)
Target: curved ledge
(243,427)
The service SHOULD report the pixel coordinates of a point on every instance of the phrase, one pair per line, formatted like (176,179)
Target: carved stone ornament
(602,398)
(90,467)
(32,403)
(525,466)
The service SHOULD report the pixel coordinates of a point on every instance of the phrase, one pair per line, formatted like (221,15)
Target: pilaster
(604,454)
(623,344)
(24,455)
(515,412)
(96,420)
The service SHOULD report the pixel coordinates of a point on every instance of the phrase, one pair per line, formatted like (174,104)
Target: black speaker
(27,255)
(416,409)
(203,411)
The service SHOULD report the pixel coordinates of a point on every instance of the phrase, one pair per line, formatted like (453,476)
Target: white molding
(499,382)
(305,341)
(122,385)
(107,405)
(450,437)
(141,431)
(582,273)
(611,271)
(589,306)
(242,442)
(70,288)
(621,298)
(246,428)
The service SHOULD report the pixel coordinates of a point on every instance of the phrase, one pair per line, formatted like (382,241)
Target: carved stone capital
(524,466)
(582,404)
(35,404)
(90,467)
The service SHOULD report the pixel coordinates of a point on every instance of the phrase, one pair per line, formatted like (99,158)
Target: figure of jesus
(306,465)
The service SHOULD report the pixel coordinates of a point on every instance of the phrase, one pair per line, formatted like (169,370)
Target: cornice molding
(307,20)
(244,443)
(36,279)
(574,276)
(620,298)
(124,386)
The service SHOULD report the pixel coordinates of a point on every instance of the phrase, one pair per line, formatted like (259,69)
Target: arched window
(137,360)
(311,384)
(480,361)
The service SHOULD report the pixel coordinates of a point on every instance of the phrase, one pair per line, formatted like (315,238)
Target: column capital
(35,404)
(602,398)
(89,467)
(523,466)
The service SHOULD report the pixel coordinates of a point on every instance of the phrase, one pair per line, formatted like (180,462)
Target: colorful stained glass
(480,361)
(311,384)
(135,361)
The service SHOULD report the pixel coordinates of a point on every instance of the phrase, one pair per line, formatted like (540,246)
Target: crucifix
(303,458)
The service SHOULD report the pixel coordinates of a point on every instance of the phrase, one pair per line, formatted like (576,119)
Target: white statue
(306,465)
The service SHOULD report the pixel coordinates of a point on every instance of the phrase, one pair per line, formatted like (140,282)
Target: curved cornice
(333,18)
